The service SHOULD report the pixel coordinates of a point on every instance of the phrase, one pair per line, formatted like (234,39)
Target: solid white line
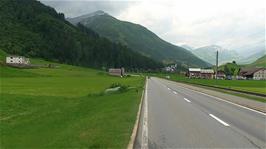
(219,120)
(144,142)
(225,101)
(187,100)
(233,103)
(174,92)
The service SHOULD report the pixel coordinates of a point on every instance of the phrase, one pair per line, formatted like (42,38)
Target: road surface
(176,117)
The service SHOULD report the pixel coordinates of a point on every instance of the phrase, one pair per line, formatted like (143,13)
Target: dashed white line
(174,92)
(219,120)
(144,142)
(168,88)
(187,100)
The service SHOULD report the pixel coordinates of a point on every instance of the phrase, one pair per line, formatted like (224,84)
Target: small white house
(12,59)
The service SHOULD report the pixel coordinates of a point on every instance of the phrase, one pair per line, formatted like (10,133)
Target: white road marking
(219,120)
(174,92)
(187,100)
(144,142)
(168,88)
(225,101)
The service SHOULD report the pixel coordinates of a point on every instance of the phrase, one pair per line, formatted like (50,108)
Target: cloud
(232,24)
(74,8)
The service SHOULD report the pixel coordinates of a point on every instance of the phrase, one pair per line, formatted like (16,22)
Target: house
(194,72)
(220,74)
(260,74)
(117,72)
(17,60)
(200,73)
(253,73)
(206,73)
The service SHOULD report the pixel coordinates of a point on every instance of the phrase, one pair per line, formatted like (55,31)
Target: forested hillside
(32,29)
(139,39)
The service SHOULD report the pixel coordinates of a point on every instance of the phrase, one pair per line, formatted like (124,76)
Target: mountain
(32,29)
(252,58)
(187,47)
(261,62)
(138,38)
(208,53)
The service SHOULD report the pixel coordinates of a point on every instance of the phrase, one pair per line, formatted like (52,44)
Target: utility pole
(216,64)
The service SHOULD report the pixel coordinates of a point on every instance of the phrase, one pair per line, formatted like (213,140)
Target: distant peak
(98,12)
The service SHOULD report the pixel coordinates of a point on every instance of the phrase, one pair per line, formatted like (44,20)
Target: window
(11,57)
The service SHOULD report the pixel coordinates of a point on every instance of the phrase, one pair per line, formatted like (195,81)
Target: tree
(227,71)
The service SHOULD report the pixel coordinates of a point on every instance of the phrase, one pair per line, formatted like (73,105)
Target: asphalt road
(176,117)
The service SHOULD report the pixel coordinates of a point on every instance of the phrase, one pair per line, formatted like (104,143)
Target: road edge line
(136,125)
(144,137)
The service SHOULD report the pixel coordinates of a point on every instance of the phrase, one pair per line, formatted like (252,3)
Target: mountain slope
(261,62)
(138,38)
(208,53)
(32,29)
(252,58)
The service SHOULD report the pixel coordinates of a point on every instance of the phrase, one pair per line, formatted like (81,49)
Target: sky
(233,24)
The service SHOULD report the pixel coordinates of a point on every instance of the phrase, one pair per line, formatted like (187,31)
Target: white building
(260,74)
(12,59)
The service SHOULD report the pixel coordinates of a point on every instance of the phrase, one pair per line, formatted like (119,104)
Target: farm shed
(194,72)
(117,72)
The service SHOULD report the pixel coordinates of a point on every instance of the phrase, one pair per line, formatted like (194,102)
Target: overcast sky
(232,24)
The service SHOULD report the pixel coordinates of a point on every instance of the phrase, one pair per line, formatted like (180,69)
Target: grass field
(64,107)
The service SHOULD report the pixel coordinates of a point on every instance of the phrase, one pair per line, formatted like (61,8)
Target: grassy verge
(64,107)
(246,85)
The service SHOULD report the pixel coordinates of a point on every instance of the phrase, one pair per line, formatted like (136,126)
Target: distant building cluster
(171,68)
(244,74)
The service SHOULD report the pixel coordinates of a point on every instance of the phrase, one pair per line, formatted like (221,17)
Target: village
(244,74)
(192,73)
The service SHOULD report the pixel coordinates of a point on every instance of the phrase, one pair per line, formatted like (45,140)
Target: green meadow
(66,107)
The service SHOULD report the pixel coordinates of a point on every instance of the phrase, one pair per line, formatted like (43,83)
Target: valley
(122,74)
